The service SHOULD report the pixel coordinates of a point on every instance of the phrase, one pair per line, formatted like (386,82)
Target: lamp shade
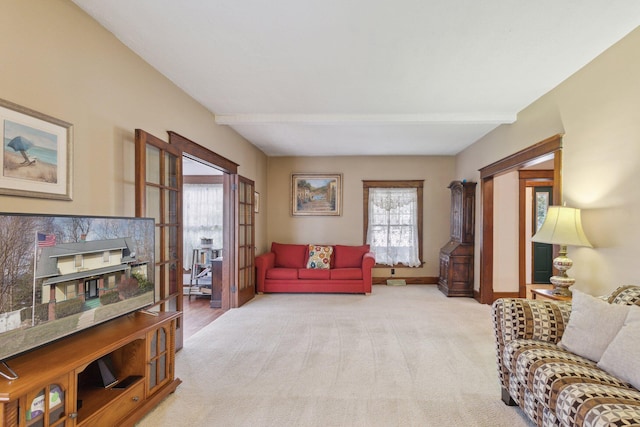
(562,226)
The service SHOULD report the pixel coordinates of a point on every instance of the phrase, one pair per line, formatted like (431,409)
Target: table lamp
(562,226)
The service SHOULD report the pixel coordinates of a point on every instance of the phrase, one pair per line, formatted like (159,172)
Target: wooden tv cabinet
(60,384)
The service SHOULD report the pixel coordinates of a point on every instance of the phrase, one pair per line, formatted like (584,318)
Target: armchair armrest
(263,262)
(368,261)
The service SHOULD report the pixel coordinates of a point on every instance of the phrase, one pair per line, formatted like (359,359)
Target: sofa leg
(507,399)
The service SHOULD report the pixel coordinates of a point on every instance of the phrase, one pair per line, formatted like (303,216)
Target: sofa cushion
(346,274)
(621,357)
(289,255)
(592,325)
(282,273)
(319,257)
(314,273)
(349,256)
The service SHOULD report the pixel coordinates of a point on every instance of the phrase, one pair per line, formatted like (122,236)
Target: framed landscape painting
(36,154)
(316,194)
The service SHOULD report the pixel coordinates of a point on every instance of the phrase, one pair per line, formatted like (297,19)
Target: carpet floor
(402,356)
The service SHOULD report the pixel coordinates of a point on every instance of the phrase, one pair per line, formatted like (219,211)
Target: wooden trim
(414,183)
(543,175)
(486,243)
(521,158)
(498,295)
(190,147)
(427,280)
(202,179)
(551,145)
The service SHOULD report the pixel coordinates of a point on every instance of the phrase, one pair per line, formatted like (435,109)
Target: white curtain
(393,225)
(202,217)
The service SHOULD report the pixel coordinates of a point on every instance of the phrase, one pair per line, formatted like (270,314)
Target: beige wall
(60,62)
(346,229)
(597,110)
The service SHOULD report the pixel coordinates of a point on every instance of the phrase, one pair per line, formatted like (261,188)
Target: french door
(159,195)
(245,238)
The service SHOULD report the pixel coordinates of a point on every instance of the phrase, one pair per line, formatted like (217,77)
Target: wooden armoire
(456,257)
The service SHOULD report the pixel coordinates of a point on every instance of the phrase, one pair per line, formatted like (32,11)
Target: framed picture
(316,194)
(256,202)
(36,154)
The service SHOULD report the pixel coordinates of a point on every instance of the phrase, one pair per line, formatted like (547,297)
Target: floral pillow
(319,257)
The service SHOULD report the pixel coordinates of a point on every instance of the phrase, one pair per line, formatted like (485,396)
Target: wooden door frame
(230,168)
(528,178)
(545,148)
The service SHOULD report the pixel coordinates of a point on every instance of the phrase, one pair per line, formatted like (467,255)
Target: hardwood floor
(197,314)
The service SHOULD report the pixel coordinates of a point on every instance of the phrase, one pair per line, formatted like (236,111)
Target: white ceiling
(375,77)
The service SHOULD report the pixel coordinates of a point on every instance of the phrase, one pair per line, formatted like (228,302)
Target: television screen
(62,274)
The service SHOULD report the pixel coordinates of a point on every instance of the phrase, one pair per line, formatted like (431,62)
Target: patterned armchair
(553,386)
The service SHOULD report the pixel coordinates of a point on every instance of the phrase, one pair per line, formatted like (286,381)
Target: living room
(59,61)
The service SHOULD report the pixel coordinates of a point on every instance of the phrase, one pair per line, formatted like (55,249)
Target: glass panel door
(158,195)
(245,238)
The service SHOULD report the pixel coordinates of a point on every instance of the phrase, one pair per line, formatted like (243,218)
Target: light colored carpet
(402,356)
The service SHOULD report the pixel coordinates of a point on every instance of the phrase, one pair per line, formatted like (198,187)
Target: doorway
(202,230)
(548,149)
(90,289)
(536,194)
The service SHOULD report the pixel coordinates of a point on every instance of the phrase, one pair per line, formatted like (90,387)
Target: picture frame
(37,153)
(316,194)
(256,202)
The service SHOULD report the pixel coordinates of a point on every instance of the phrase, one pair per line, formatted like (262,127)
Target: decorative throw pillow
(592,325)
(319,257)
(621,357)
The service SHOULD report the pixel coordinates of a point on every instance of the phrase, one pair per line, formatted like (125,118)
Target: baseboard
(409,280)
(497,295)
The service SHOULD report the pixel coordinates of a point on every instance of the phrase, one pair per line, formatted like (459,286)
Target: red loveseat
(315,268)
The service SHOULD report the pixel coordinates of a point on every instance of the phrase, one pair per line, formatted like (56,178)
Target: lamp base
(562,282)
(560,289)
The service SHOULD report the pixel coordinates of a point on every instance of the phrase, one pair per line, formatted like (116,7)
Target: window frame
(418,185)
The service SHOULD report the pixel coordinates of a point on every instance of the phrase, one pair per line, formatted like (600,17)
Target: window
(393,221)
(105,256)
(202,216)
(78,261)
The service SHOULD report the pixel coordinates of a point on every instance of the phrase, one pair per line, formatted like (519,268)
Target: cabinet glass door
(159,353)
(46,407)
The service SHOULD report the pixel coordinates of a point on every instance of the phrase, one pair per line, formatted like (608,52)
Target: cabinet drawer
(123,405)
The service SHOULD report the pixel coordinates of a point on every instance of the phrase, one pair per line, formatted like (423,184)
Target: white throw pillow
(621,357)
(592,325)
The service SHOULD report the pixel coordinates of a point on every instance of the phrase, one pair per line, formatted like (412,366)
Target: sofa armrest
(368,261)
(263,262)
(518,318)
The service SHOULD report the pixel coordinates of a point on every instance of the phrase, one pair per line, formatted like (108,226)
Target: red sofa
(315,268)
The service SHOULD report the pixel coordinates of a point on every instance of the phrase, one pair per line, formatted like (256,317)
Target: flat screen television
(62,274)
